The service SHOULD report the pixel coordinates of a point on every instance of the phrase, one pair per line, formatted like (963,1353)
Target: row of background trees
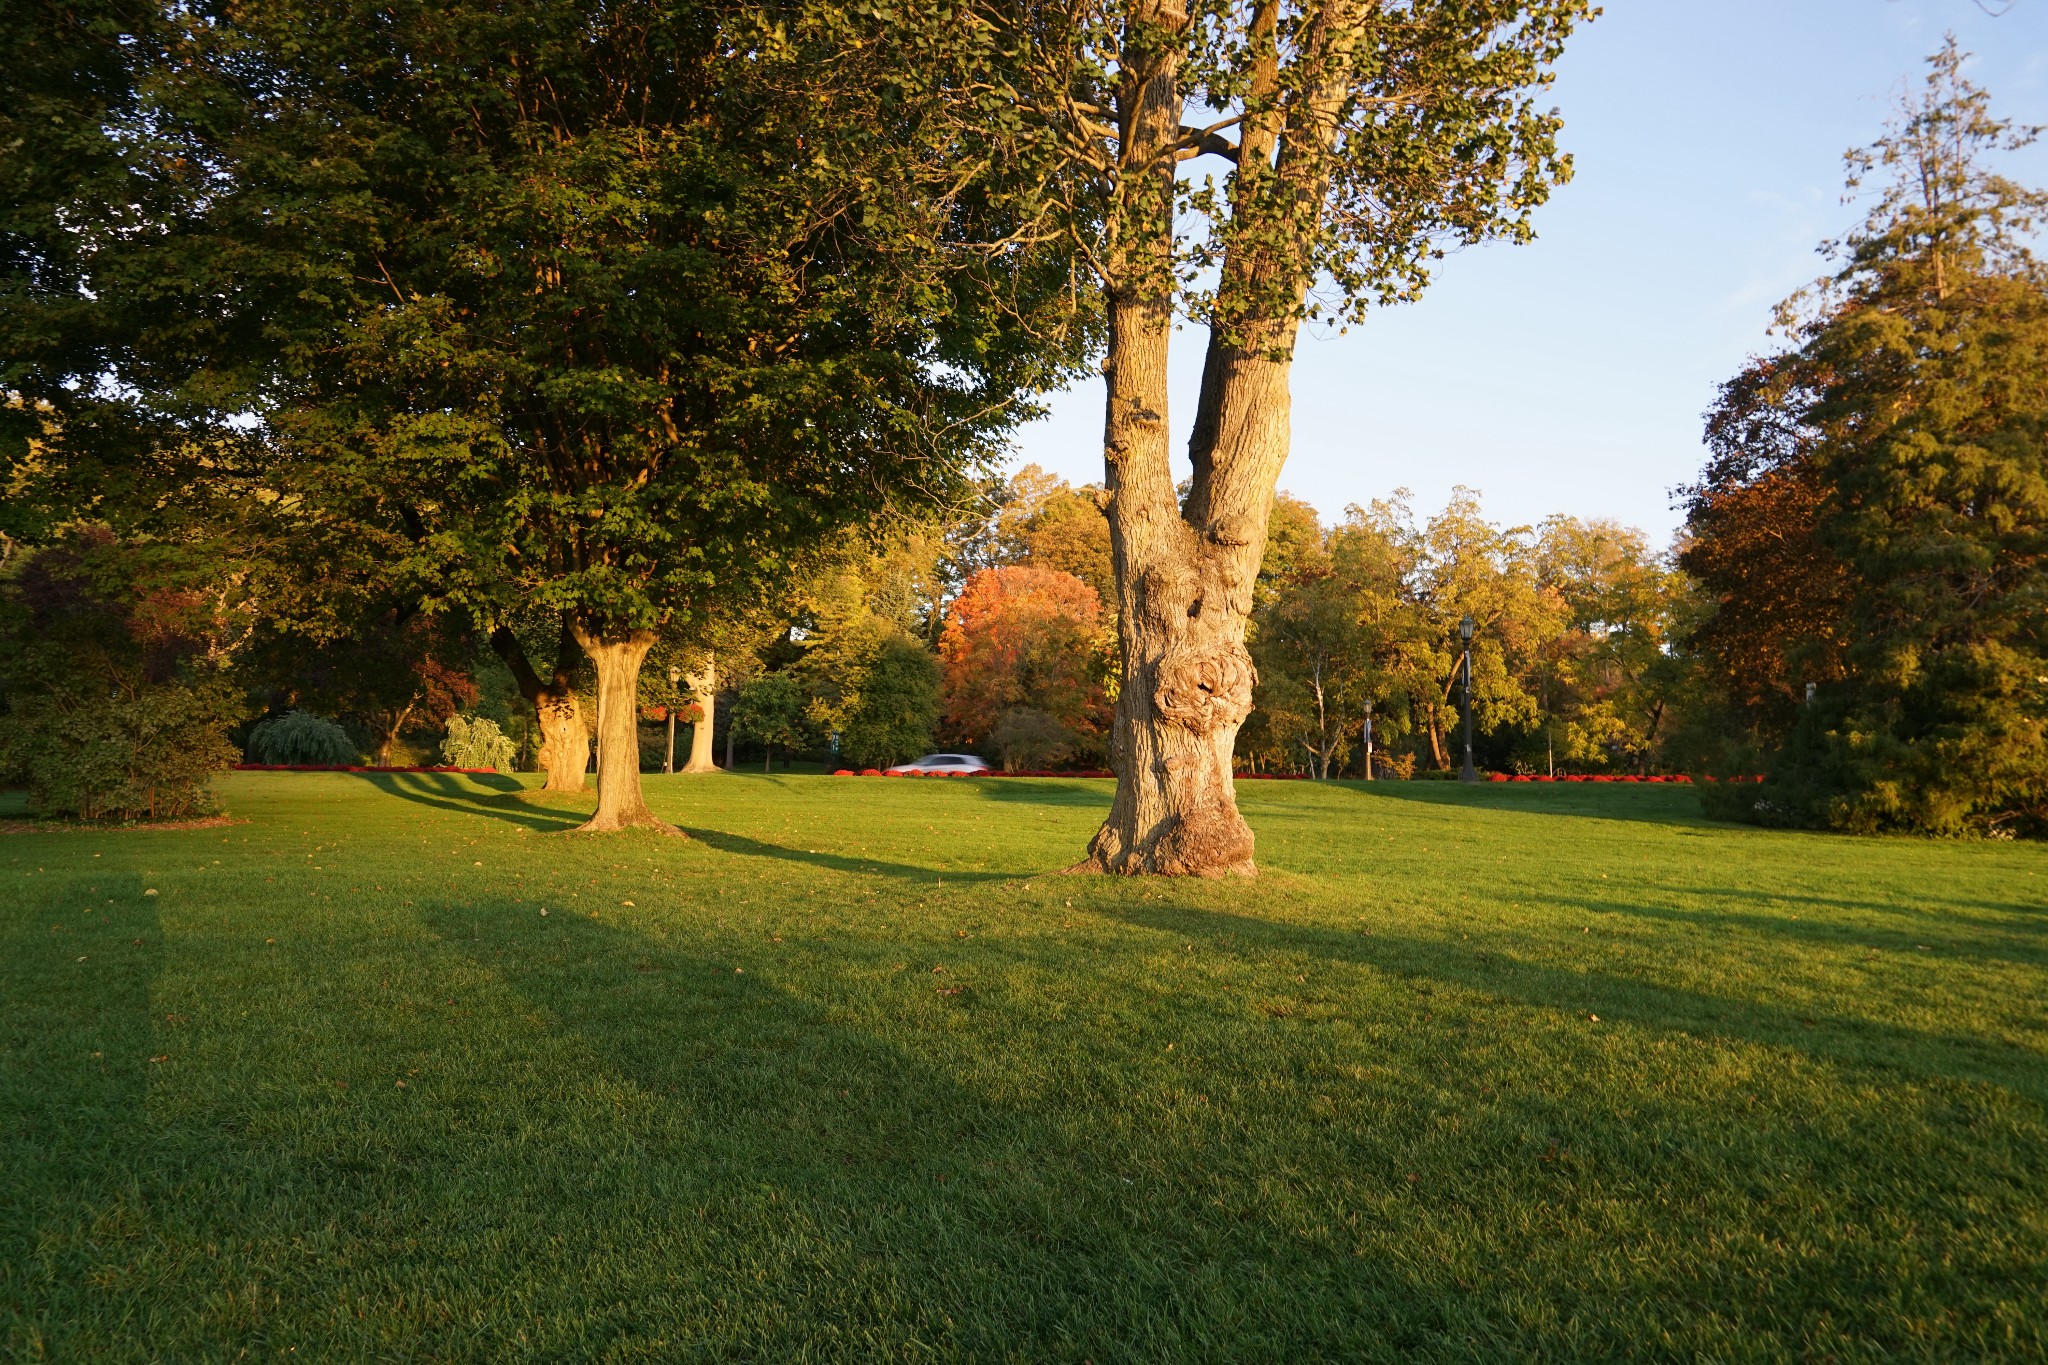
(392,365)
(1578,665)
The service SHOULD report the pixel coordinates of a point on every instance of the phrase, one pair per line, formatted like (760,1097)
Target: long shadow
(1044,791)
(1832,1038)
(2014,943)
(76,1048)
(726,842)
(830,1188)
(1654,805)
(506,800)
(871,1194)
(2015,917)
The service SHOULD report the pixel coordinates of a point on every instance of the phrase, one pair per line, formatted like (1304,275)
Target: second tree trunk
(704,691)
(620,804)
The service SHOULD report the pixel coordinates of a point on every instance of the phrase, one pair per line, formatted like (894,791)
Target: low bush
(297,737)
(475,742)
(115,703)
(1029,738)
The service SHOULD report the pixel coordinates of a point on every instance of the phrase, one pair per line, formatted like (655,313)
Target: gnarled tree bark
(620,802)
(1185,570)
(703,682)
(564,739)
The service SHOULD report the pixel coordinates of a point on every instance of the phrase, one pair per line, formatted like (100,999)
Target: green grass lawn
(1507,1073)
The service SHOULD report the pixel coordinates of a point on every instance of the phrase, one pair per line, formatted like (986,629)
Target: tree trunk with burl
(1185,568)
(1355,128)
(565,739)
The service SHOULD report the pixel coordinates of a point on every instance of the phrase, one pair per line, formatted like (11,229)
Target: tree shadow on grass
(1093,793)
(831,1193)
(1672,805)
(2014,940)
(871,1168)
(77,1040)
(1834,1039)
(2016,917)
(504,798)
(740,844)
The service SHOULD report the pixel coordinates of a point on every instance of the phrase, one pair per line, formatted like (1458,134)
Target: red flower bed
(344,768)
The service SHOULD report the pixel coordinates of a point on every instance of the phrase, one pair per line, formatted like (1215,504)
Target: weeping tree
(585,316)
(1356,140)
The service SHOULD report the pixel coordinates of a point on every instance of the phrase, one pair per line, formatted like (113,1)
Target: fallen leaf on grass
(162,1057)
(951,990)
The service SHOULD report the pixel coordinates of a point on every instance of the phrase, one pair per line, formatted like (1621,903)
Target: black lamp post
(675,675)
(1465,629)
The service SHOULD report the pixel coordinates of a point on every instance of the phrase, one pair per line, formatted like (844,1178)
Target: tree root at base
(620,826)
(1092,866)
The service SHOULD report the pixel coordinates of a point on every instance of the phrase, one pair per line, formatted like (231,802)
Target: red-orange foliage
(1021,637)
(1781,594)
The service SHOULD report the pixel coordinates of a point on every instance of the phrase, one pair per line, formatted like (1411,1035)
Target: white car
(942,763)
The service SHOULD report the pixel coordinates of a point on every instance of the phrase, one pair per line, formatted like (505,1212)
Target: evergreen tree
(1921,396)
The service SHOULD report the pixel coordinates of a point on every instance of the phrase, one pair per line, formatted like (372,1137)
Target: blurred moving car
(942,763)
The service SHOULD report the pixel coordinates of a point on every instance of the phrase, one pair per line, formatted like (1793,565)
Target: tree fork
(1184,575)
(565,741)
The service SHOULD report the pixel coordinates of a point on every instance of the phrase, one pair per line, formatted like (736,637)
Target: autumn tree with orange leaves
(1020,639)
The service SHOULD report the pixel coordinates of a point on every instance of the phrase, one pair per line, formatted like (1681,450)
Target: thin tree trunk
(620,803)
(564,739)
(385,745)
(1325,745)
(704,691)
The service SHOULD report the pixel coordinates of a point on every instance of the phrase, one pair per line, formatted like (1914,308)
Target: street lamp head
(675,675)
(1465,629)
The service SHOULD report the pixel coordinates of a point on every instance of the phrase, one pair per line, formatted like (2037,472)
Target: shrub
(298,737)
(896,707)
(116,707)
(474,742)
(147,756)
(1028,738)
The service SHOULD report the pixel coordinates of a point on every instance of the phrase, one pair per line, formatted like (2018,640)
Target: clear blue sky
(1570,375)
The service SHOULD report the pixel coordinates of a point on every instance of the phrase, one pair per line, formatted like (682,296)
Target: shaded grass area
(1559,1073)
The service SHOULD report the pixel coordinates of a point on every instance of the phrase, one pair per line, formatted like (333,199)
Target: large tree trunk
(1183,582)
(564,738)
(1185,572)
(704,691)
(1184,590)
(620,804)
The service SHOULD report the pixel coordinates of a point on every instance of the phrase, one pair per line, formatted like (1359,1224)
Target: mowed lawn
(1521,1073)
